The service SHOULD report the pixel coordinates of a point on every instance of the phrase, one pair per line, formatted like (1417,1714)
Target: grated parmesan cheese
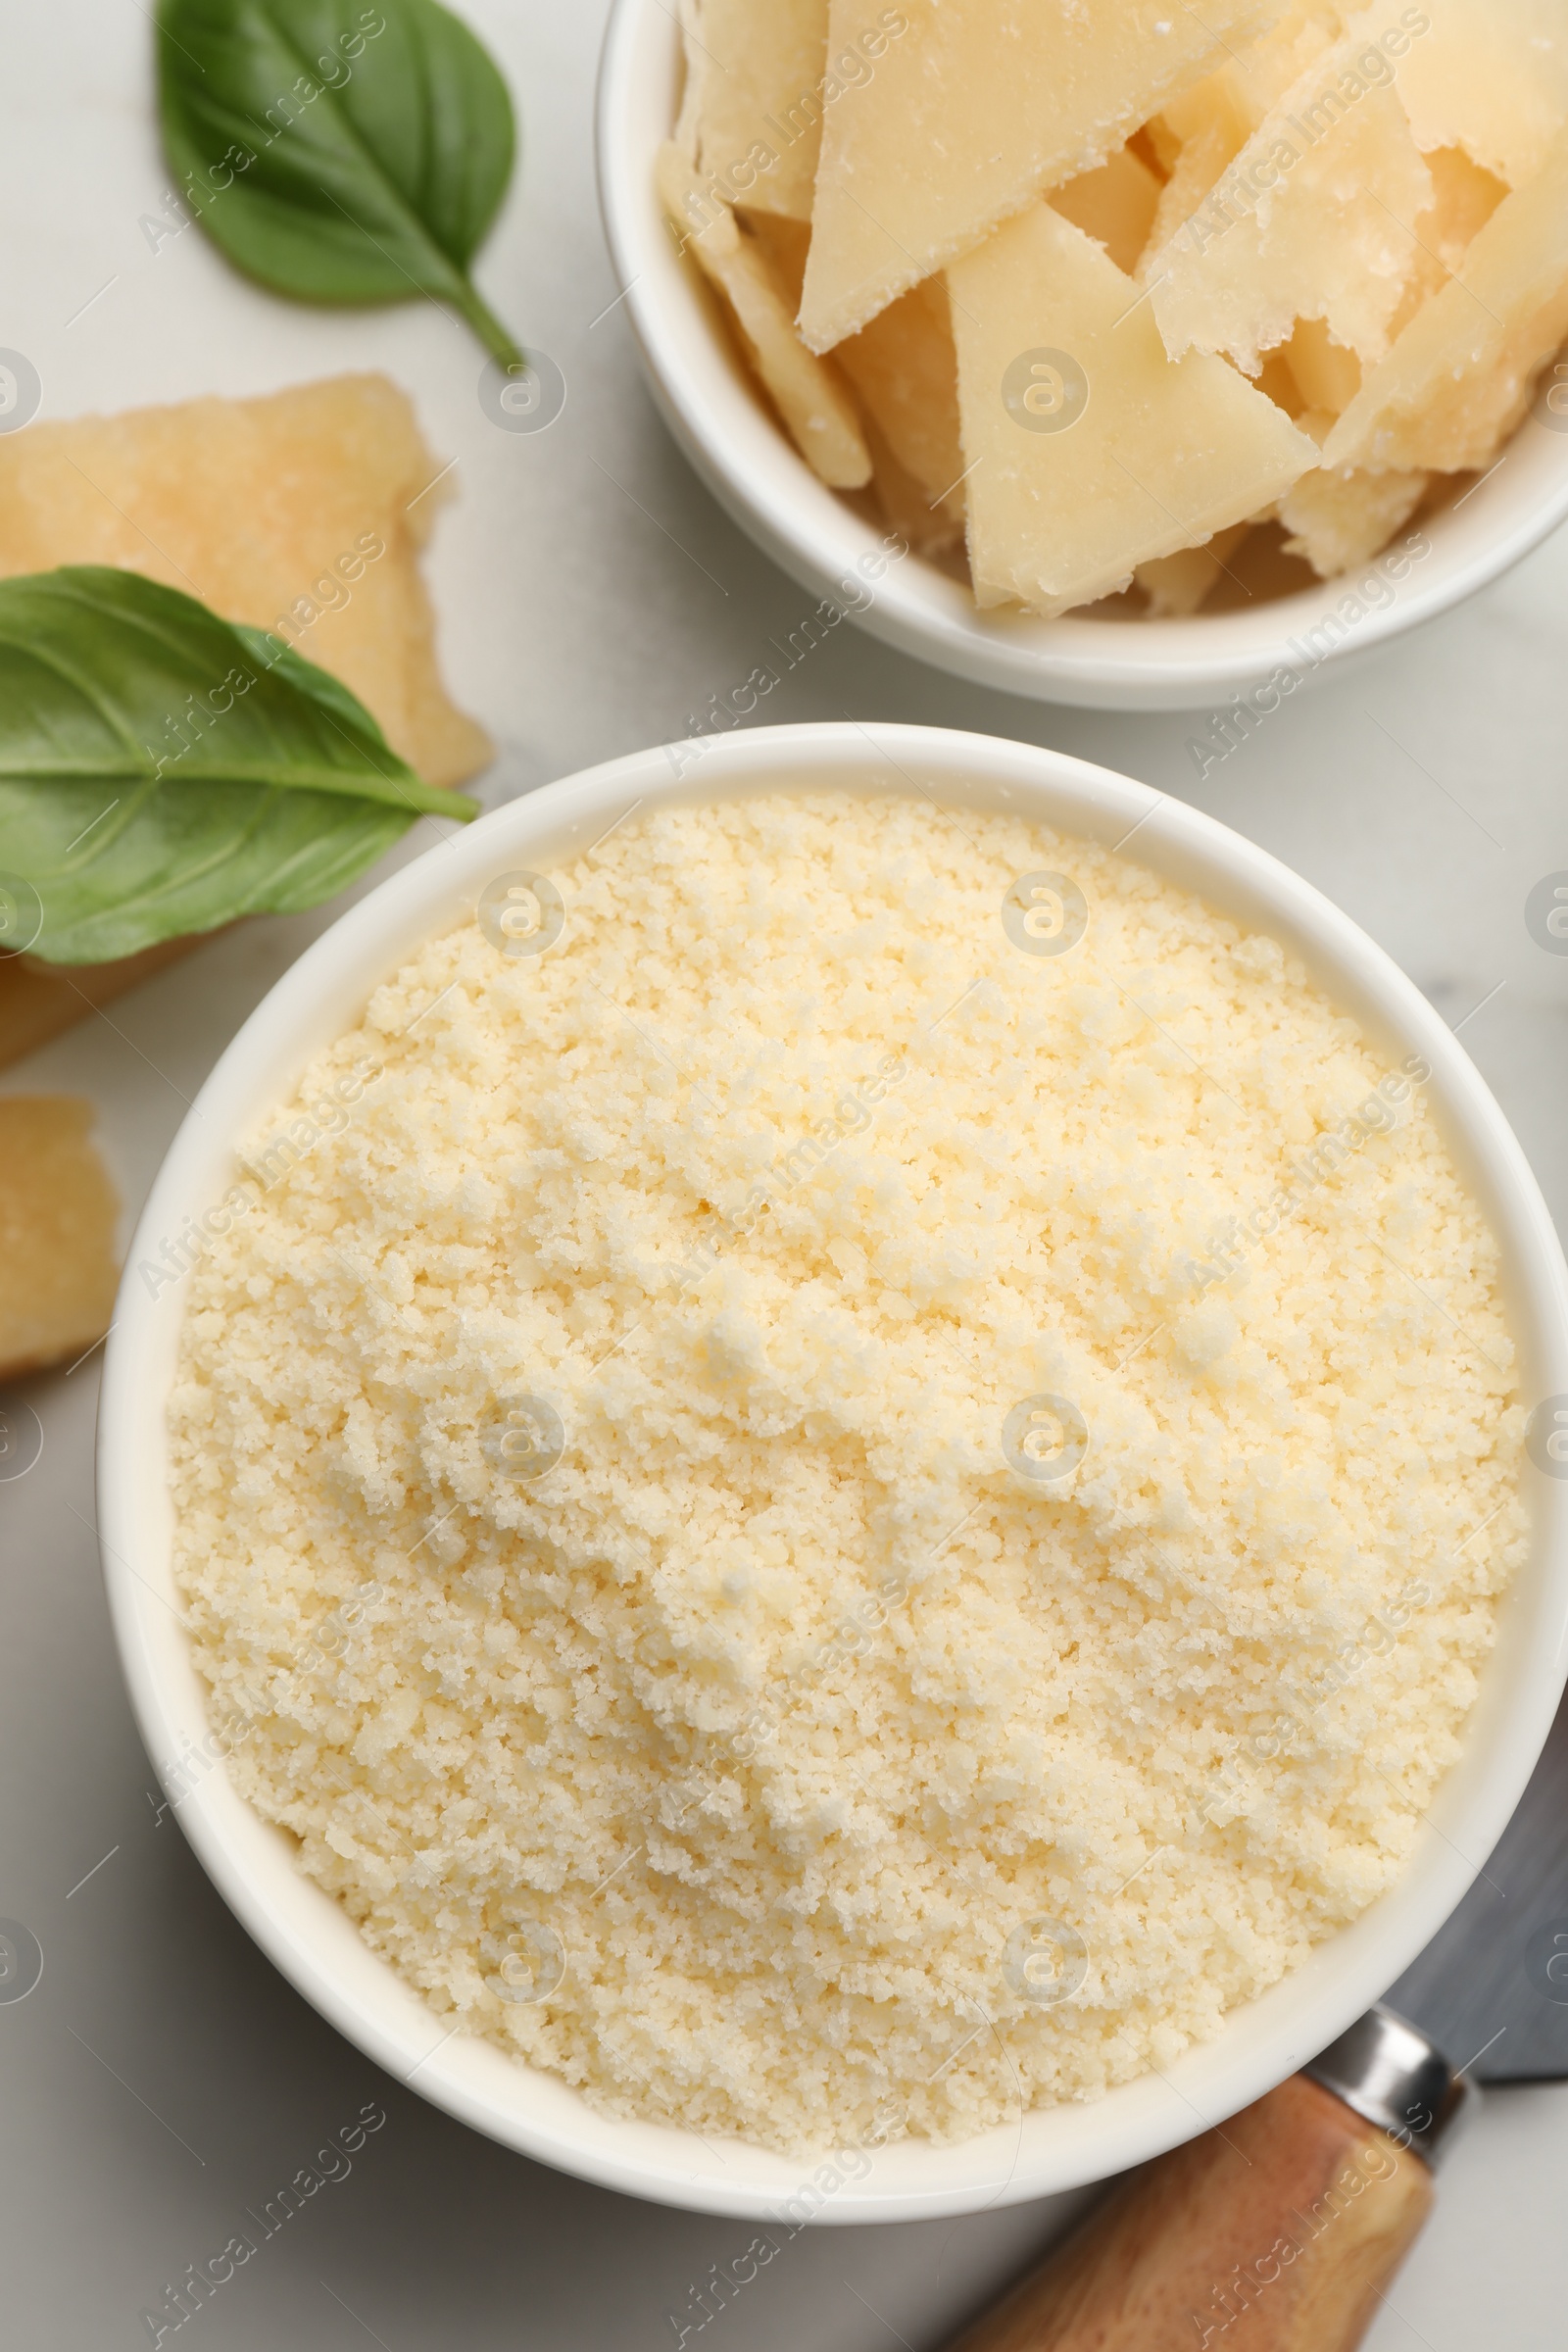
(601,1534)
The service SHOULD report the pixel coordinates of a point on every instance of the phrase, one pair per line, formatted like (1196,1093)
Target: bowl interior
(709,399)
(314,1941)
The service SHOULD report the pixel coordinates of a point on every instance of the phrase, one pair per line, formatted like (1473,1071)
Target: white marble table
(163,2077)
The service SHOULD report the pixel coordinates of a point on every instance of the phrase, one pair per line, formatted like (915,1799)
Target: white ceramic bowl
(307,1934)
(711,405)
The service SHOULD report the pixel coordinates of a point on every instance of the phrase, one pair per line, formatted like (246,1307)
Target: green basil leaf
(338,152)
(164,771)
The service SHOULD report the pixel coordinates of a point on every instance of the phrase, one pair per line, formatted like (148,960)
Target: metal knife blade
(1490,1990)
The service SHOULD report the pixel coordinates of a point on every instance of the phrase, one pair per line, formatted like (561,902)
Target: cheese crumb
(873,1486)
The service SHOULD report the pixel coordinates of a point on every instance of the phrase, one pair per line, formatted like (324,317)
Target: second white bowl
(725,427)
(312,1938)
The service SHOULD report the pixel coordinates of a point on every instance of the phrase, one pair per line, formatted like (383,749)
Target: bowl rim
(1173,665)
(307,1934)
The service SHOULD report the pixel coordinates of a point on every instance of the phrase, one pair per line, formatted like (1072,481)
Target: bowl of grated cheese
(824,1478)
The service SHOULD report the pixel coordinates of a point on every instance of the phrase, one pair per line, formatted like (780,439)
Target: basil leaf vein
(269,801)
(340,153)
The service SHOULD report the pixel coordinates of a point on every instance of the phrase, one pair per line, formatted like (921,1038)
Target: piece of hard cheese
(805,390)
(1070,494)
(905,371)
(1116,203)
(57,1233)
(977,108)
(1314,219)
(1176,585)
(1206,127)
(931,528)
(1488,76)
(1327,377)
(302,511)
(38,1000)
(757,68)
(1337,517)
(1460,376)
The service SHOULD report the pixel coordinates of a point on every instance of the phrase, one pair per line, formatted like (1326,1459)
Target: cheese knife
(1281,2232)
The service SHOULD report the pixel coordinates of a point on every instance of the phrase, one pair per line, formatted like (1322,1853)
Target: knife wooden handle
(1277,2233)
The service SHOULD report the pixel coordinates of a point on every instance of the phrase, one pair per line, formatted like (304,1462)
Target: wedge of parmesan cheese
(933,529)
(57,1233)
(1464,198)
(786,243)
(1489,77)
(1176,585)
(1091,450)
(1327,377)
(1200,160)
(905,369)
(757,80)
(808,392)
(1207,128)
(973,109)
(1460,376)
(1337,517)
(39,1001)
(302,513)
(1115,204)
(1314,219)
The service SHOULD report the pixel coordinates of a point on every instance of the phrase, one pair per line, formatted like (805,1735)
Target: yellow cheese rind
(1460,376)
(757,68)
(973,111)
(271,511)
(814,406)
(57,1233)
(1164,454)
(1315,218)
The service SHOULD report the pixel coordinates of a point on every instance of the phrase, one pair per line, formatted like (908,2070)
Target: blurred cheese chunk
(1464,197)
(1115,204)
(1092,450)
(1460,376)
(756,85)
(1488,76)
(785,243)
(1337,517)
(1326,375)
(807,391)
(302,511)
(932,527)
(1314,219)
(1203,129)
(38,1000)
(1199,159)
(57,1233)
(1176,585)
(905,369)
(973,109)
